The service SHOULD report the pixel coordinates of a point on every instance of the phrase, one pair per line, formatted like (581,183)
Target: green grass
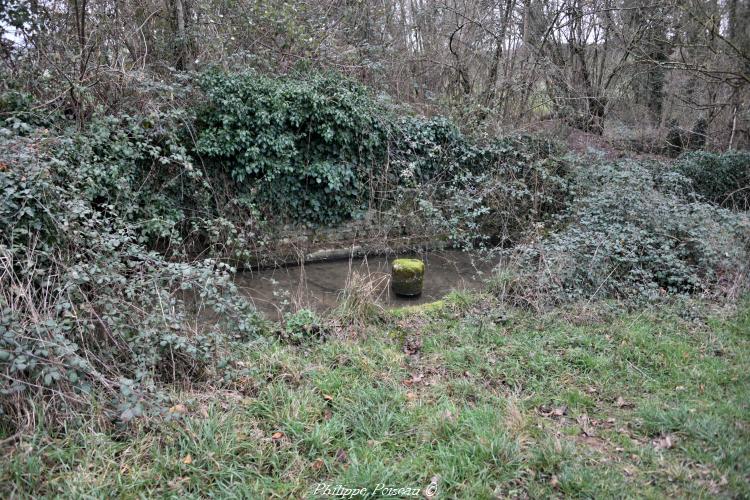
(535,406)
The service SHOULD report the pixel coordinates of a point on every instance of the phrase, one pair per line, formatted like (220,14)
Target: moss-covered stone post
(407,277)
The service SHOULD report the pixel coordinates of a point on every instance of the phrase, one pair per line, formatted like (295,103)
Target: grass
(619,404)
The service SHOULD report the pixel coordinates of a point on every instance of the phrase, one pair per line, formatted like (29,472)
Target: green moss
(410,266)
(429,307)
(407,276)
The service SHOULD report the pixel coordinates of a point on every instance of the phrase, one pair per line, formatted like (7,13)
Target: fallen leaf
(621,403)
(178,408)
(317,464)
(188,459)
(559,411)
(341,456)
(586,427)
(663,442)
(411,396)
(277,435)
(327,397)
(412,345)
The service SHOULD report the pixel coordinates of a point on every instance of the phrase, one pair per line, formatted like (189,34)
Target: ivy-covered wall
(304,149)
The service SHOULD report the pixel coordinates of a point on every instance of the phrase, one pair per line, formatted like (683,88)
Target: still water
(318,285)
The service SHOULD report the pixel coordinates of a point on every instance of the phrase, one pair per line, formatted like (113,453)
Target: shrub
(426,150)
(698,134)
(722,178)
(301,327)
(87,308)
(16,112)
(490,193)
(303,149)
(632,233)
(675,139)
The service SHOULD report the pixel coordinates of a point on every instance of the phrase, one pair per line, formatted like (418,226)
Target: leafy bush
(301,327)
(632,233)
(485,193)
(86,307)
(302,148)
(317,149)
(721,178)
(426,150)
(16,112)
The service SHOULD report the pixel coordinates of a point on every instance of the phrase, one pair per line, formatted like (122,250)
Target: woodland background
(629,70)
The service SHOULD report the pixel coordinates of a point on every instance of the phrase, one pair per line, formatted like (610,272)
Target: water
(317,285)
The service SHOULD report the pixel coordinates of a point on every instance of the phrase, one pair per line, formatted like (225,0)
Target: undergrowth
(632,231)
(581,402)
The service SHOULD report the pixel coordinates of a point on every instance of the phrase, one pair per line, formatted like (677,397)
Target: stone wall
(373,234)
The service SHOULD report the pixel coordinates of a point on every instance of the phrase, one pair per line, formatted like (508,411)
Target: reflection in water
(317,285)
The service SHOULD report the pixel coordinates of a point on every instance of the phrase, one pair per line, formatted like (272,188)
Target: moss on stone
(408,266)
(407,276)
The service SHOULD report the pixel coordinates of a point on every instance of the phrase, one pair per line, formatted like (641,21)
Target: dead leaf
(317,464)
(621,403)
(586,427)
(663,442)
(341,456)
(412,345)
(411,396)
(556,412)
(554,482)
(188,459)
(327,415)
(277,435)
(178,408)
(327,397)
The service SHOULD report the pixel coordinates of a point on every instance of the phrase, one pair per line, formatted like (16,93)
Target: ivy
(303,148)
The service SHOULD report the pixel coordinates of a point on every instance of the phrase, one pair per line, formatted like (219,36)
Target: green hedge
(722,178)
